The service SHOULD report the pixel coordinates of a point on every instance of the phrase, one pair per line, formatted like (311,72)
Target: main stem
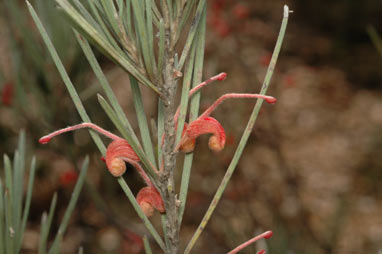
(167,183)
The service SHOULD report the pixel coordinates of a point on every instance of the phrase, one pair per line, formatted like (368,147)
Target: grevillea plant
(143,38)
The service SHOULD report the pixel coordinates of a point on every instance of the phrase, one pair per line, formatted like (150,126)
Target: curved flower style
(149,200)
(117,152)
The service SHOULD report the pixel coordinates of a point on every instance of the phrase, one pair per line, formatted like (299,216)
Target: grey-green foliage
(14,207)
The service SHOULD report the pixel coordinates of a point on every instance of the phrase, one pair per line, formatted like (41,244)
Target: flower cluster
(120,151)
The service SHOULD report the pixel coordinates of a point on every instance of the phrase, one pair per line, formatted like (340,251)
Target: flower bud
(149,199)
(117,152)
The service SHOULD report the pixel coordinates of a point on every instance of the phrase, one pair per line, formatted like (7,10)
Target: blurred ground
(311,171)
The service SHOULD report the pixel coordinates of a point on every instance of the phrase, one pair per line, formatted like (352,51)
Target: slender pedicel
(265,235)
(47,138)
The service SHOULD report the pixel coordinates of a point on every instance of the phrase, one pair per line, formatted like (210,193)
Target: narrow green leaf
(126,18)
(184,95)
(157,15)
(160,130)
(143,36)
(88,17)
(65,77)
(8,176)
(141,215)
(165,12)
(42,241)
(72,203)
(375,38)
(16,193)
(28,199)
(56,248)
(105,30)
(45,225)
(245,136)
(150,32)
(18,184)
(111,14)
(191,34)
(9,229)
(142,120)
(121,6)
(164,228)
(194,109)
(146,244)
(161,48)
(2,218)
(171,10)
(190,4)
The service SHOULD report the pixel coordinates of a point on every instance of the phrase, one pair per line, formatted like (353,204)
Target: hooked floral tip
(270,100)
(268,234)
(222,76)
(93,126)
(44,140)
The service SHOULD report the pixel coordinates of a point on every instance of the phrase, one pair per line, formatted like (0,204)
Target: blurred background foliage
(311,171)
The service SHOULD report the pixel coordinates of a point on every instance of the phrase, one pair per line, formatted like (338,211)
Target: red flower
(241,11)
(7,94)
(149,200)
(68,177)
